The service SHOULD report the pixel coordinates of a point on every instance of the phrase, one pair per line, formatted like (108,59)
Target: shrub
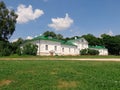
(89,52)
(19,51)
(29,49)
(5,48)
(84,52)
(93,52)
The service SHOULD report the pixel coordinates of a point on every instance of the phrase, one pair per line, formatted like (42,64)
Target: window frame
(46,47)
(55,48)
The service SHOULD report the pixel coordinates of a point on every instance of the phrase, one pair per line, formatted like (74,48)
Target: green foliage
(59,36)
(7,27)
(16,46)
(59,75)
(93,41)
(93,52)
(29,49)
(112,43)
(18,51)
(89,52)
(7,22)
(53,35)
(5,48)
(84,52)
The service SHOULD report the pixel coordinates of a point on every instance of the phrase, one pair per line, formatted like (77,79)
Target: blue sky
(67,17)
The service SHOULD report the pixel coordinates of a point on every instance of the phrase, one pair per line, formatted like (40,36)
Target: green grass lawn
(59,75)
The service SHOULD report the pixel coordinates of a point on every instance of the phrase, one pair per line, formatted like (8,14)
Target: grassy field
(59,75)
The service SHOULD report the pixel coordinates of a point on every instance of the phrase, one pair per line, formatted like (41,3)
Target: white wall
(51,47)
(81,44)
(69,50)
(103,51)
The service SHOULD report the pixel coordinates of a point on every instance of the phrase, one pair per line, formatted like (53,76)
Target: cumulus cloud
(29,38)
(61,23)
(14,40)
(110,33)
(26,14)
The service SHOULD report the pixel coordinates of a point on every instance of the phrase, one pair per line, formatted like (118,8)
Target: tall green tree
(112,43)
(93,40)
(52,34)
(16,45)
(59,36)
(7,22)
(49,34)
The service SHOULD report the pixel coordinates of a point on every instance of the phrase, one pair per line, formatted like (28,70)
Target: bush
(84,52)
(5,48)
(19,51)
(89,52)
(29,49)
(93,52)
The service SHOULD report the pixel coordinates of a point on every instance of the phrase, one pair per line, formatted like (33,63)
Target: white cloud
(14,40)
(26,14)
(61,23)
(29,38)
(110,33)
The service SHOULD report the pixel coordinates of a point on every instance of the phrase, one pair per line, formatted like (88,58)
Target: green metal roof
(52,39)
(67,43)
(97,47)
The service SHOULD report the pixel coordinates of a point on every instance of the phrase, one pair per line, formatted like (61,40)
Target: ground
(59,75)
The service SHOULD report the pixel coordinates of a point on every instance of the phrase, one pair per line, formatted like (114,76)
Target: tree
(16,45)
(93,40)
(29,49)
(84,52)
(5,48)
(7,22)
(49,34)
(7,27)
(89,52)
(59,36)
(93,52)
(53,35)
(112,43)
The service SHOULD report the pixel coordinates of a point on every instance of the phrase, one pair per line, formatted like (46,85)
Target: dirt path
(81,59)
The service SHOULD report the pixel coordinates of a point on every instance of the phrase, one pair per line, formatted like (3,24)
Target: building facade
(102,50)
(50,46)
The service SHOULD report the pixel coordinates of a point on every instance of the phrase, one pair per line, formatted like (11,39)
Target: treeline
(112,43)
(7,28)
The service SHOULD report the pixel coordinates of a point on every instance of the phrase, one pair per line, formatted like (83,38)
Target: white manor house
(50,46)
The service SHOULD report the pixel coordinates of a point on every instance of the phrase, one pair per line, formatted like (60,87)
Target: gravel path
(81,59)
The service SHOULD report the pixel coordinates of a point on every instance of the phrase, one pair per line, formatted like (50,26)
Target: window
(69,49)
(82,40)
(55,48)
(62,49)
(46,47)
